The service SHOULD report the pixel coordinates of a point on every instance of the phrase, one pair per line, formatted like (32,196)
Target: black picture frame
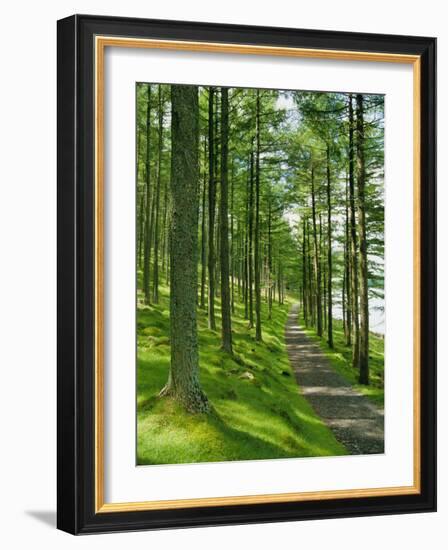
(76,255)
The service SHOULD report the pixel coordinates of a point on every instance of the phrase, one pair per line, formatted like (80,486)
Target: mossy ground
(341,359)
(258,412)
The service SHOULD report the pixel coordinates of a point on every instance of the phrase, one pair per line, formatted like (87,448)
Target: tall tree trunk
(211,212)
(217,179)
(226,331)
(353,241)
(330,256)
(269,262)
(304,275)
(141,230)
(147,247)
(343,303)
(165,224)
(311,301)
(323,275)
(316,257)
(183,382)
(258,335)
(363,269)
(347,271)
(246,247)
(251,233)
(232,243)
(157,200)
(203,233)
(141,213)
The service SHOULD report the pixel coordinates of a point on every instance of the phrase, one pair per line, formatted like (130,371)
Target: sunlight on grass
(258,412)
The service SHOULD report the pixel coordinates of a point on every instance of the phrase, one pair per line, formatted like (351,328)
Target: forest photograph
(260,307)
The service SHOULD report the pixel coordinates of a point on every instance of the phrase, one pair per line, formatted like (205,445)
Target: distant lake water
(376,315)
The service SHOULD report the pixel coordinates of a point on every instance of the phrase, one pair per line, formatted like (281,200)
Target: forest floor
(258,411)
(355,421)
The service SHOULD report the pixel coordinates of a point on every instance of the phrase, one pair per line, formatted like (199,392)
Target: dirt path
(355,421)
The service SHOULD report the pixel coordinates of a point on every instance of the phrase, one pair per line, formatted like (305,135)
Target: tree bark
(147,246)
(330,256)
(246,247)
(347,271)
(258,335)
(141,213)
(141,230)
(304,275)
(211,212)
(203,234)
(316,257)
(363,268)
(183,383)
(353,241)
(251,232)
(157,200)
(232,243)
(226,323)
(269,260)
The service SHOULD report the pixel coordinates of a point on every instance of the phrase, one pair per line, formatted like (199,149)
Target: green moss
(257,410)
(341,359)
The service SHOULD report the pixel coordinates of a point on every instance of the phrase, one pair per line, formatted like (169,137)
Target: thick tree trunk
(363,269)
(211,212)
(258,335)
(183,383)
(353,242)
(226,330)
(330,256)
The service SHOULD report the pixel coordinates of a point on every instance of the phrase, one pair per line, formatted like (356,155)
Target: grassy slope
(340,358)
(258,412)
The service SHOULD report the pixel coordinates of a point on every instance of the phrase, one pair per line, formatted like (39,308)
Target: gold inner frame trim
(101,42)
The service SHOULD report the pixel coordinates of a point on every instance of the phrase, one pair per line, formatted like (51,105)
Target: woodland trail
(355,421)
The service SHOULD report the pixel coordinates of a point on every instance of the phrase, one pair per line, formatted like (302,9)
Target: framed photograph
(246,274)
